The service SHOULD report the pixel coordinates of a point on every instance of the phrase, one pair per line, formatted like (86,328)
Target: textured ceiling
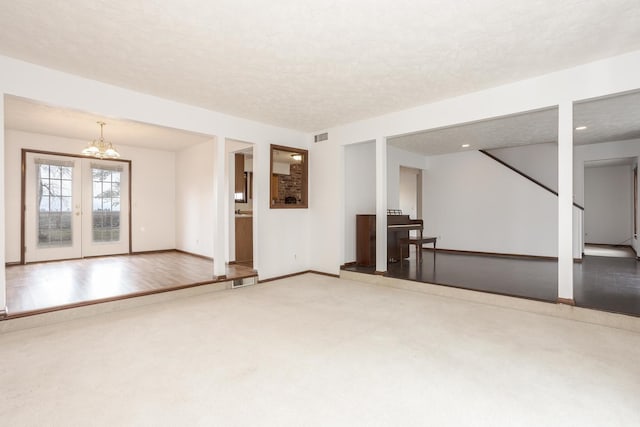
(309,64)
(519,129)
(25,115)
(613,118)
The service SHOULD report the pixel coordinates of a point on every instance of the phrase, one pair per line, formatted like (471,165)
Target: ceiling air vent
(321,137)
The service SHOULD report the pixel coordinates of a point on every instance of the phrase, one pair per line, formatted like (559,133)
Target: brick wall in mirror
(289,176)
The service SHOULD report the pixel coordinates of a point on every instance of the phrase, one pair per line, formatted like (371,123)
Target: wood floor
(53,285)
(603,283)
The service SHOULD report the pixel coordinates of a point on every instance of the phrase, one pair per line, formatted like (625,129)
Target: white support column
(3,284)
(565,202)
(219,217)
(381,205)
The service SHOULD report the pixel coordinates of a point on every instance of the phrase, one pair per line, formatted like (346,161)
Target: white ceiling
(519,129)
(614,118)
(29,116)
(313,64)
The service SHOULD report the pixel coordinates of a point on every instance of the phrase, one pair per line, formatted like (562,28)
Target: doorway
(74,207)
(609,205)
(243,206)
(410,196)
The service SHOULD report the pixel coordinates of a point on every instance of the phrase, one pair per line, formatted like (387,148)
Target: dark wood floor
(608,283)
(603,283)
(52,285)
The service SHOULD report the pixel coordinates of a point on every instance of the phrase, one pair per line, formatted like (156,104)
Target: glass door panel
(52,208)
(106,218)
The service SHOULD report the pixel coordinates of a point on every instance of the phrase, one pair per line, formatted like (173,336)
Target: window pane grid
(54,205)
(106,205)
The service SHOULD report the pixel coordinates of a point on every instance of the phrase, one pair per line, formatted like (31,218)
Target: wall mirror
(289,173)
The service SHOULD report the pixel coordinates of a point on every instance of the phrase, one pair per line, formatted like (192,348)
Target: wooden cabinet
(366,240)
(244,238)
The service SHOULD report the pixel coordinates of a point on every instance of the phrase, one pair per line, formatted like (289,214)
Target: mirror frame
(304,204)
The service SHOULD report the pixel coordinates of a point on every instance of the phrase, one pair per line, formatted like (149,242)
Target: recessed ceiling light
(581,128)
(466,145)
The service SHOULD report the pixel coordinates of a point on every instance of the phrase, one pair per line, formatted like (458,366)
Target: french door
(75,207)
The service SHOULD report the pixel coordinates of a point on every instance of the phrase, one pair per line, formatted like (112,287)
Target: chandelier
(100,148)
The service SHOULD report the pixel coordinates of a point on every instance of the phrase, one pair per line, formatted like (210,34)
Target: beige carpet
(313,350)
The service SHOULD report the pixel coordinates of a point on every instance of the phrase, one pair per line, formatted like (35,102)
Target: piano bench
(418,241)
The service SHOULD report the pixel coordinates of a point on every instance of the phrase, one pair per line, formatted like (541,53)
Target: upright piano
(398,227)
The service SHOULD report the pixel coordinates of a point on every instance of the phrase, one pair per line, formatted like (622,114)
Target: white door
(75,207)
(105,201)
(52,208)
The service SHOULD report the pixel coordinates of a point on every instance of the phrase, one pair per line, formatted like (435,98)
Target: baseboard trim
(299,273)
(322,273)
(379,273)
(493,254)
(607,245)
(567,301)
(285,276)
(157,251)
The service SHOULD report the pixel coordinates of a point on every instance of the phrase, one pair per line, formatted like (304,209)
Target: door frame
(23,187)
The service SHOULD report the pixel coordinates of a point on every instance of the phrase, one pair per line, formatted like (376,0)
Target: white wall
(153,204)
(608,205)
(360,182)
(152,190)
(194,199)
(473,203)
(409,191)
(539,161)
(281,236)
(602,151)
(396,158)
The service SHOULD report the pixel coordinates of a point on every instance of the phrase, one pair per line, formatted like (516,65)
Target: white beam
(565,202)
(3,284)
(219,200)
(381,205)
